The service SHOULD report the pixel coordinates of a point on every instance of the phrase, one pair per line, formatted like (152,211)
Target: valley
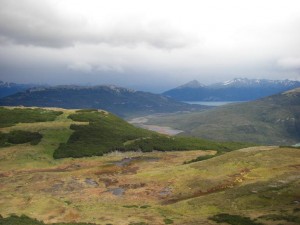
(142,122)
(149,112)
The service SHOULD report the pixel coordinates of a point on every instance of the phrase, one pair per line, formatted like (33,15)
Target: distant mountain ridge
(238,89)
(9,88)
(191,84)
(121,101)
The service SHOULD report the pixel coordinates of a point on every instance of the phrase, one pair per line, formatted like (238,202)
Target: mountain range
(9,88)
(273,120)
(120,101)
(238,89)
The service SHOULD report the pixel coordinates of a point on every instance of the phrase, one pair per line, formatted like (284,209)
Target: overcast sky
(149,45)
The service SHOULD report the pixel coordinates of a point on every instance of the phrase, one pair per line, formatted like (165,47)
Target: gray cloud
(81,67)
(34,23)
(152,45)
(39,23)
(289,63)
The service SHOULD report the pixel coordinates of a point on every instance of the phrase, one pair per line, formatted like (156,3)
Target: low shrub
(233,219)
(200,158)
(10,117)
(276,217)
(168,221)
(25,220)
(19,137)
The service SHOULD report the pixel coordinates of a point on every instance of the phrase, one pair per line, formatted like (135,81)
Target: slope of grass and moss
(259,183)
(12,116)
(273,120)
(106,133)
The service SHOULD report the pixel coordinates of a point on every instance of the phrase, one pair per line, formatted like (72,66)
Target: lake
(211,103)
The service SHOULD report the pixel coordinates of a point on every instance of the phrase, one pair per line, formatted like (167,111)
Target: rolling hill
(95,132)
(238,89)
(272,120)
(121,101)
(249,186)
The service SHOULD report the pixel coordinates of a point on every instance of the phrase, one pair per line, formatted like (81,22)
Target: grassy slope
(106,133)
(273,120)
(248,183)
(257,182)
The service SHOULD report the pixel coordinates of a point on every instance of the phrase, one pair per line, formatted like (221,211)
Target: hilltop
(118,100)
(272,120)
(238,89)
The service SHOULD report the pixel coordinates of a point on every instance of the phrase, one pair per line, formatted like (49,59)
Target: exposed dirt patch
(74,185)
(109,181)
(118,191)
(65,168)
(91,182)
(109,170)
(130,160)
(165,192)
(296,166)
(5,174)
(112,170)
(133,186)
(57,186)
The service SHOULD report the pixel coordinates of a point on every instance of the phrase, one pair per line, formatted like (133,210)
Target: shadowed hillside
(121,101)
(271,120)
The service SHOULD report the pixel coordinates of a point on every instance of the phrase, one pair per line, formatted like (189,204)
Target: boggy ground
(146,188)
(124,188)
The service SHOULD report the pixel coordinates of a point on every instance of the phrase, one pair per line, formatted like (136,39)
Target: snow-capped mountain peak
(242,82)
(237,89)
